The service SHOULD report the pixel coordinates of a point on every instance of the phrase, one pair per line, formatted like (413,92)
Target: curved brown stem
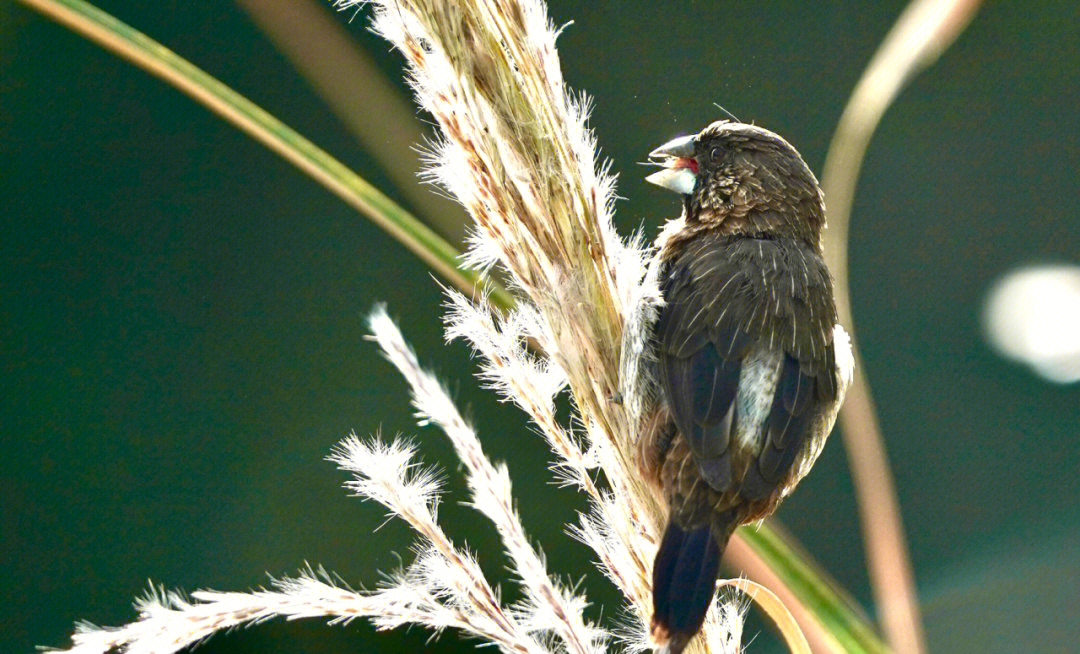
(920,35)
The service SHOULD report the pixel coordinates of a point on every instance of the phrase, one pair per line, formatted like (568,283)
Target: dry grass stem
(818,637)
(920,35)
(169,622)
(519,377)
(548,605)
(776,610)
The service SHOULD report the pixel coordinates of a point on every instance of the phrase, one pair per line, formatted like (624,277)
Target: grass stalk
(924,30)
(137,48)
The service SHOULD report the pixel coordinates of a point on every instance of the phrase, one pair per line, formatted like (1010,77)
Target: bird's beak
(680,166)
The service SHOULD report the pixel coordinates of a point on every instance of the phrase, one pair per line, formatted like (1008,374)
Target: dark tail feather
(684,580)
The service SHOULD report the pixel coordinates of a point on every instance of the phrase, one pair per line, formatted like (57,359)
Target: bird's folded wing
(722,302)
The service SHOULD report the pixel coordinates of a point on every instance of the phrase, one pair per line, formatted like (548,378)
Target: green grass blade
(848,628)
(141,50)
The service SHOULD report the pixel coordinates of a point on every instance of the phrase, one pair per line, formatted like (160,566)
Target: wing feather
(723,299)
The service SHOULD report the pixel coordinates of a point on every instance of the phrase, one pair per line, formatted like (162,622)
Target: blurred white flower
(1032,315)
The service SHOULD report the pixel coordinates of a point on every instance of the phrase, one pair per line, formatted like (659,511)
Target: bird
(750,363)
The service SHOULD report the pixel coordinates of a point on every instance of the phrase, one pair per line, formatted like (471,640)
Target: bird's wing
(722,302)
(807,386)
(701,347)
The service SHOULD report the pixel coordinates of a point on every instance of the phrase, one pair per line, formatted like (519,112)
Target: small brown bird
(751,363)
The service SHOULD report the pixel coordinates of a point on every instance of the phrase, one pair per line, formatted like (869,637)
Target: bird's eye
(716,153)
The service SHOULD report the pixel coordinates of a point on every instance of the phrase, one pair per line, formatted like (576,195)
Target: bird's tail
(684,580)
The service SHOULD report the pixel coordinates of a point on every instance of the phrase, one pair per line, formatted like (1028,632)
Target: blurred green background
(182,313)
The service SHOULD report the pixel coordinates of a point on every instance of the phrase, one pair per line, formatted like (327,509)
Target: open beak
(680,166)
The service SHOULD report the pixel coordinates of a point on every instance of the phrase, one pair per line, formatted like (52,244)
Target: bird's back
(747,368)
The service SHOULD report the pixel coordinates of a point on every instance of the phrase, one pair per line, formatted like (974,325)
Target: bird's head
(741,179)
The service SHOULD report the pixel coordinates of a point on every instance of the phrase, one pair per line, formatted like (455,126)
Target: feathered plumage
(751,363)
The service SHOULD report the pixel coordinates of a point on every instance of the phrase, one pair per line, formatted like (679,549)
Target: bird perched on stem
(751,364)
